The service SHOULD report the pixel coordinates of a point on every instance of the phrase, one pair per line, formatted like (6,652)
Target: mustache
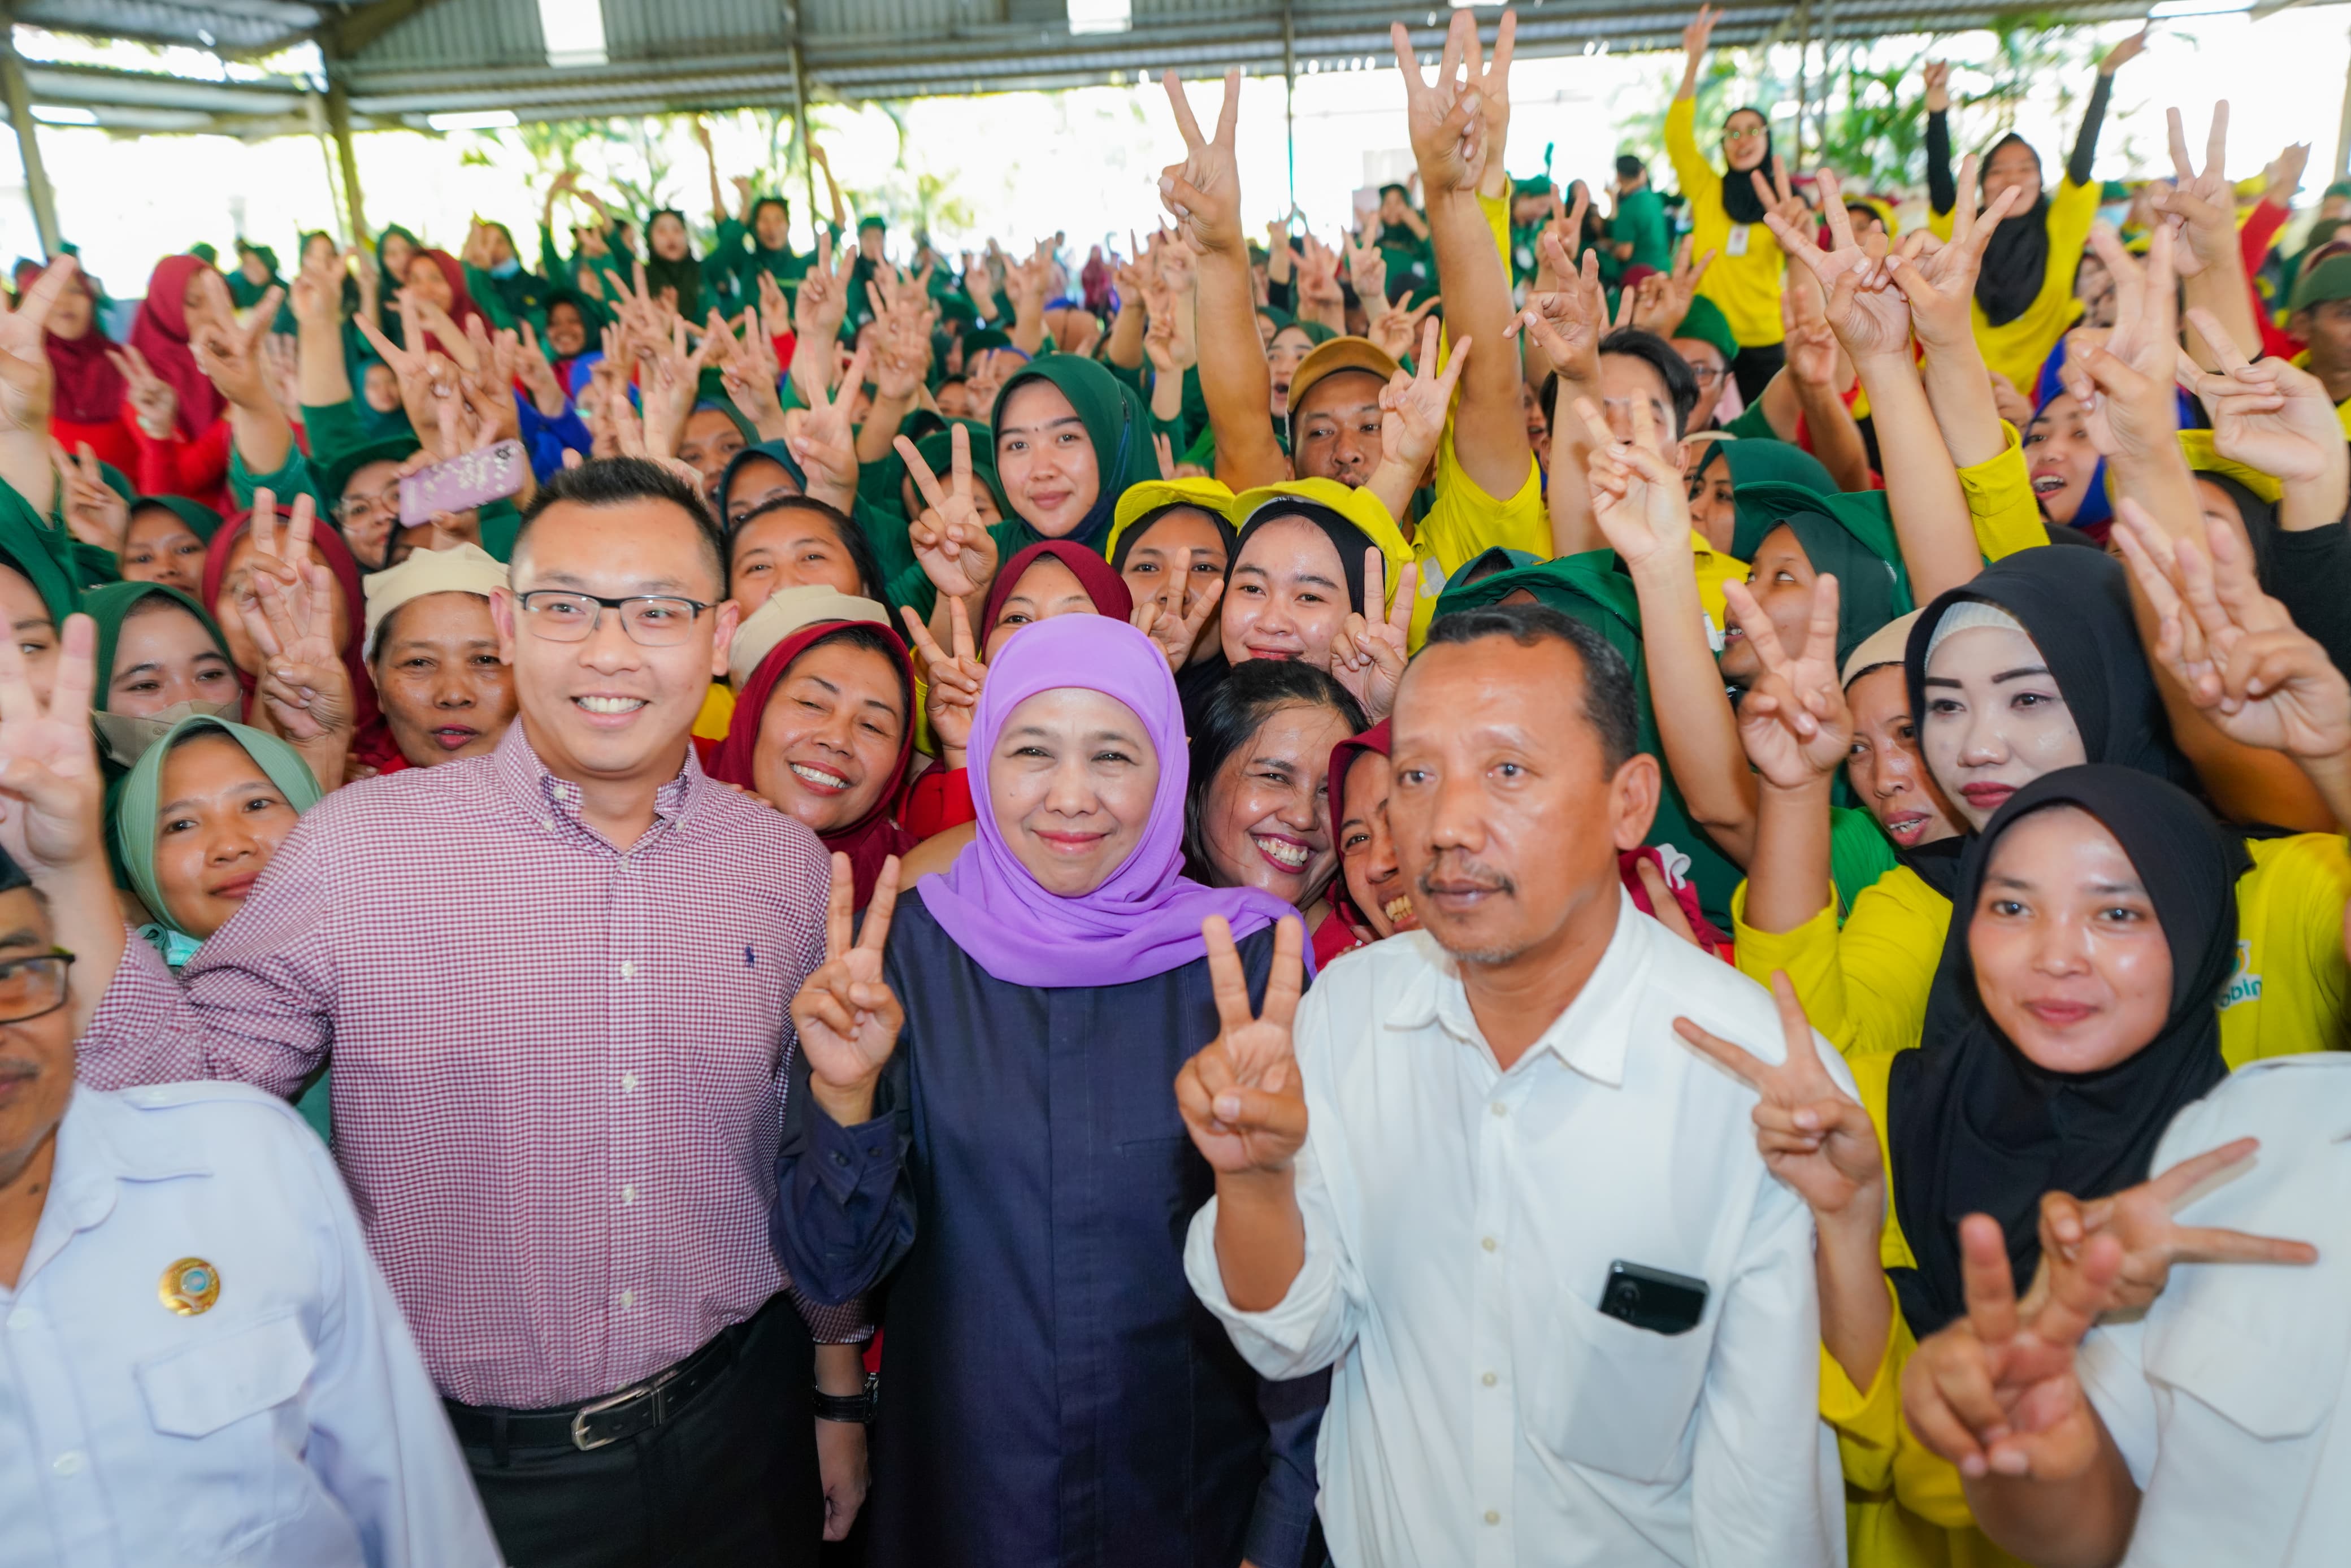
(1456,866)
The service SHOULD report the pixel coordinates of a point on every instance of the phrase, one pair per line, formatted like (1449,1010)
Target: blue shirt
(286,1422)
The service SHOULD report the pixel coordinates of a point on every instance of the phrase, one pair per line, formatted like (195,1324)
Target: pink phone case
(463,483)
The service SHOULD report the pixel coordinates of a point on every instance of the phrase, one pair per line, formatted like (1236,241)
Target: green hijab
(776,452)
(37,554)
(201,520)
(1589,588)
(937,449)
(1755,461)
(112,605)
(1118,424)
(1851,537)
(131,803)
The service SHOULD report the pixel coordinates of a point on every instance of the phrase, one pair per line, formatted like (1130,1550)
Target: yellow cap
(1360,507)
(1140,500)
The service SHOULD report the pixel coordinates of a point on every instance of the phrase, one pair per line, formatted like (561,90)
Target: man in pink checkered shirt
(552,982)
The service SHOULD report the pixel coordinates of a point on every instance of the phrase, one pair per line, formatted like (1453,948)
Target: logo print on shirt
(749,957)
(2241,987)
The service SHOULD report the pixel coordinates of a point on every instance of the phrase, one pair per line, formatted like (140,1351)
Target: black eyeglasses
(651,619)
(32,987)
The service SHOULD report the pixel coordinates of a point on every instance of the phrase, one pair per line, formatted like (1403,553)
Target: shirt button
(1500,1109)
(1490,1380)
(1493,1517)
(68,1463)
(627,970)
(23,1317)
(628,1083)
(628,1298)
(1491,1245)
(628,1195)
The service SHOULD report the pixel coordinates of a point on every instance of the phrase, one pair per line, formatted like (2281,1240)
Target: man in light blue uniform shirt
(199,1361)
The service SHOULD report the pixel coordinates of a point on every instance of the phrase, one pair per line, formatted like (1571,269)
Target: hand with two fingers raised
(950,539)
(845,1014)
(1240,1097)
(955,680)
(1795,723)
(2139,1218)
(1367,655)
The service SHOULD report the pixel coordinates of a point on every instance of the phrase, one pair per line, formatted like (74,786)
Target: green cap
(872,221)
(1707,324)
(1538,186)
(2330,280)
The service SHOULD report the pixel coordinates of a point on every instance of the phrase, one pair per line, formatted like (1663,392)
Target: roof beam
(343,36)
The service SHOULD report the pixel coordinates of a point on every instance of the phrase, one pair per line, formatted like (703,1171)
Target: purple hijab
(1145,920)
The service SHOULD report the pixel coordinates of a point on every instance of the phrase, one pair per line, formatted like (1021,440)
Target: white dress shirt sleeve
(1312,1325)
(380,1439)
(1766,1487)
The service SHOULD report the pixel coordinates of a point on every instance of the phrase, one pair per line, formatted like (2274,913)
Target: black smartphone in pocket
(1653,1298)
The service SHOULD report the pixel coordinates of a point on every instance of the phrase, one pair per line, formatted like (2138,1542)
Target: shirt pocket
(215,1408)
(2257,1382)
(1615,1398)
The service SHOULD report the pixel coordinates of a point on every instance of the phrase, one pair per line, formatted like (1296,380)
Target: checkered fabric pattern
(559,1069)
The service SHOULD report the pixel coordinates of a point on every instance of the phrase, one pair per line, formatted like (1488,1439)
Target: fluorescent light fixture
(2172,10)
(1097,15)
(473,120)
(61,114)
(573,32)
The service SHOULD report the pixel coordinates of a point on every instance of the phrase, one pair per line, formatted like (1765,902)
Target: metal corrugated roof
(408,59)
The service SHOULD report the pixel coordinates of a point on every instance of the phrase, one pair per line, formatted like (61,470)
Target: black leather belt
(640,1408)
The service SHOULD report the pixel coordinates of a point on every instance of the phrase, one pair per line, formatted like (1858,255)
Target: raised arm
(324,378)
(1941,197)
(1203,192)
(2201,211)
(231,354)
(2084,155)
(1449,134)
(27,386)
(1940,282)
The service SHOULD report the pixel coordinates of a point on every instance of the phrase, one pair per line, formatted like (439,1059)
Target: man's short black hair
(616,481)
(1681,383)
(1630,168)
(1610,706)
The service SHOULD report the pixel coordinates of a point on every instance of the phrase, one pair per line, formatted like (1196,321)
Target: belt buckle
(580,1437)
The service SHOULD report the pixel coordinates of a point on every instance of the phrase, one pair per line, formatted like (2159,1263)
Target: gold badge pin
(189,1287)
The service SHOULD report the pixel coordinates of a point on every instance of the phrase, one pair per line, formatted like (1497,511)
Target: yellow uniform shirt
(1745,277)
(2017,348)
(2001,504)
(1865,985)
(718,712)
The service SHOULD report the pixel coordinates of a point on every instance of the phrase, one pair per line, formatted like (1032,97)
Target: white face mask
(127,737)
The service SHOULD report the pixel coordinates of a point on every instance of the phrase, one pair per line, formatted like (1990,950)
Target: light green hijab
(136,796)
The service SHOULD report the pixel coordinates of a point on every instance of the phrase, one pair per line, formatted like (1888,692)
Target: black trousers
(1754,368)
(731,1483)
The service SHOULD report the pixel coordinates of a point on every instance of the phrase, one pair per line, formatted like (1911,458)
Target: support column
(38,192)
(338,121)
(2342,132)
(314,110)
(1289,97)
(808,143)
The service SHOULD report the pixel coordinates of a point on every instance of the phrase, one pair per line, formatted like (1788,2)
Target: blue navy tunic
(1054,1392)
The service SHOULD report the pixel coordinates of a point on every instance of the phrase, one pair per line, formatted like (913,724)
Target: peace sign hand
(52,793)
(826,445)
(1175,616)
(2152,1241)
(1812,1134)
(950,539)
(2274,415)
(1415,403)
(1568,324)
(1795,724)
(2201,209)
(1870,317)
(153,402)
(2125,385)
(304,685)
(1241,1098)
(1638,498)
(27,380)
(1445,117)
(1940,280)
(1367,656)
(1204,191)
(2261,679)
(846,1016)
(94,514)
(954,682)
(1996,1392)
(231,354)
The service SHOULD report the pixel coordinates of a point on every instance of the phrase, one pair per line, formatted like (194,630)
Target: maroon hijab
(1104,586)
(873,837)
(1376,741)
(160,332)
(371,741)
(89,390)
(461,307)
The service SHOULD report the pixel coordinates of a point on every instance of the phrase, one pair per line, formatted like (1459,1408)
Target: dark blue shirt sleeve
(1282,1525)
(844,1211)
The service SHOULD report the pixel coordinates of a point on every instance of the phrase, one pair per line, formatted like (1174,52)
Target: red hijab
(1104,586)
(1348,928)
(371,741)
(89,390)
(461,307)
(873,837)
(160,331)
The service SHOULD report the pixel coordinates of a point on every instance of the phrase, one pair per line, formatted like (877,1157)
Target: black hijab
(1345,537)
(1975,1127)
(2016,259)
(1739,197)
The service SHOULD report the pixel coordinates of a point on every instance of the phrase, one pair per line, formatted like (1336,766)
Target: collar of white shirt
(102,1142)
(1591,1033)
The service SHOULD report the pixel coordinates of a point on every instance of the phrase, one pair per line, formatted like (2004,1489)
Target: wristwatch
(852,1407)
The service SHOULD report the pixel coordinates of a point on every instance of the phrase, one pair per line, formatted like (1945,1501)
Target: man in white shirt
(1570,1317)
(2209,1432)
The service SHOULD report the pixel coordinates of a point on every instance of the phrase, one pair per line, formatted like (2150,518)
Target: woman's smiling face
(1265,818)
(1045,460)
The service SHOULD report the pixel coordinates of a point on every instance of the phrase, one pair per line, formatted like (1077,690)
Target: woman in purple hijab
(1016,1176)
